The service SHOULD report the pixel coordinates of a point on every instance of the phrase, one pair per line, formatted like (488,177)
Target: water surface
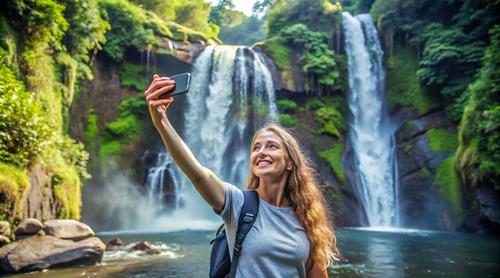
(367,253)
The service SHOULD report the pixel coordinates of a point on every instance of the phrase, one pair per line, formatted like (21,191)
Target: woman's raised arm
(205,181)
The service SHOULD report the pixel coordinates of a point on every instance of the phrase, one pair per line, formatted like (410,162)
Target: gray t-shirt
(276,246)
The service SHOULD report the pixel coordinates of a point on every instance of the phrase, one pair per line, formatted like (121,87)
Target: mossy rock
(447,182)
(442,140)
(402,84)
(14,183)
(333,156)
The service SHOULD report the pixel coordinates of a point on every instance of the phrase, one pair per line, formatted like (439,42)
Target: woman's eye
(273,147)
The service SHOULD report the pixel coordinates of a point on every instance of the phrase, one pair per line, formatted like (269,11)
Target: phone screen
(182,82)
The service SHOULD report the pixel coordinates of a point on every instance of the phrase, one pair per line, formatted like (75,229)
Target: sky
(241,5)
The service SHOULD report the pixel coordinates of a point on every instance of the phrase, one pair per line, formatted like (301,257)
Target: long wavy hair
(303,193)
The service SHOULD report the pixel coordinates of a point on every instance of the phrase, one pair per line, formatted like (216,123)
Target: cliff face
(429,191)
(422,203)
(115,95)
(431,194)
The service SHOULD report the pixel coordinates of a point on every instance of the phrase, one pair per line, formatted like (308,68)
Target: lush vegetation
(44,52)
(235,27)
(13,183)
(47,48)
(457,44)
(439,55)
(478,155)
(303,27)
(323,118)
(402,84)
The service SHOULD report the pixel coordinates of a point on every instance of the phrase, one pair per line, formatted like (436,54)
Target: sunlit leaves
(23,128)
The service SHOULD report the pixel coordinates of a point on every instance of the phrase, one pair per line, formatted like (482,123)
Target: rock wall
(421,203)
(41,202)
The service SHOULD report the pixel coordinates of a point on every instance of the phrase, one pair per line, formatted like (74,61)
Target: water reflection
(367,253)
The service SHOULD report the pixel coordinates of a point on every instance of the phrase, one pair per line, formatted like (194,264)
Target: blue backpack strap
(245,222)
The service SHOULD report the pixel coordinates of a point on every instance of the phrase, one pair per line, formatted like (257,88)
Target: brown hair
(302,191)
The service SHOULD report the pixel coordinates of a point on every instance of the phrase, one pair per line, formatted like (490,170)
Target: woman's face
(269,156)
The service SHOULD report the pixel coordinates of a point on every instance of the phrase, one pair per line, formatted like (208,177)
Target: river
(367,253)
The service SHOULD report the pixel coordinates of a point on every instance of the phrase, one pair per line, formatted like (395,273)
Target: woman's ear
(289,167)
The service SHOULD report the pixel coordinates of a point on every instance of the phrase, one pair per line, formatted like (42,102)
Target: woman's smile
(268,156)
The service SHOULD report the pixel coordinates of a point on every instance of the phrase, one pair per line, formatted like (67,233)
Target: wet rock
(29,226)
(489,204)
(68,229)
(146,247)
(5,228)
(114,244)
(42,252)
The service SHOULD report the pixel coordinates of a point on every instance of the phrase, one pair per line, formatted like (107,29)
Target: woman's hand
(158,107)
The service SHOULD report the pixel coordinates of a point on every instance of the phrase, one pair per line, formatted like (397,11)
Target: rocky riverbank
(38,246)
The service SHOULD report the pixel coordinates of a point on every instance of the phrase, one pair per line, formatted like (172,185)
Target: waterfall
(162,184)
(370,132)
(231,95)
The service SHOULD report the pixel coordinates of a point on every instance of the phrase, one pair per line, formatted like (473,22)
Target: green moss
(331,121)
(91,129)
(467,161)
(314,103)
(425,173)
(66,185)
(279,53)
(403,87)
(132,75)
(108,149)
(408,149)
(41,79)
(333,157)
(287,120)
(286,105)
(447,182)
(13,183)
(65,182)
(441,140)
(123,128)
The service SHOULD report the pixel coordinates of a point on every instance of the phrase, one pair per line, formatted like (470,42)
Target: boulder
(114,244)
(29,226)
(42,252)
(68,229)
(39,233)
(4,240)
(146,247)
(5,228)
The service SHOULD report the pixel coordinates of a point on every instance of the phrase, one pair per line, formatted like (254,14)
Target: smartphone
(182,82)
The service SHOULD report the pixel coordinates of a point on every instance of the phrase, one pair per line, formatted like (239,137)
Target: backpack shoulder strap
(245,222)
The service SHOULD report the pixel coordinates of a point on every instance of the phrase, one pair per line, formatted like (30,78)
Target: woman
(291,236)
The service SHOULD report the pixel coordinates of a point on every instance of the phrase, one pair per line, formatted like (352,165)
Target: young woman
(291,236)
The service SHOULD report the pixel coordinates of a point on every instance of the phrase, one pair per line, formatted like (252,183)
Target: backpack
(220,262)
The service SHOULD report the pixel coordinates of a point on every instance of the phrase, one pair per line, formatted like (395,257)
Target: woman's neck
(273,191)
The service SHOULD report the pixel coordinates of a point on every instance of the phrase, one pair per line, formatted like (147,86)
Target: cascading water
(231,95)
(370,134)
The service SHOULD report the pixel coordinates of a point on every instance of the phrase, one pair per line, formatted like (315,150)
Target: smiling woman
(291,235)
